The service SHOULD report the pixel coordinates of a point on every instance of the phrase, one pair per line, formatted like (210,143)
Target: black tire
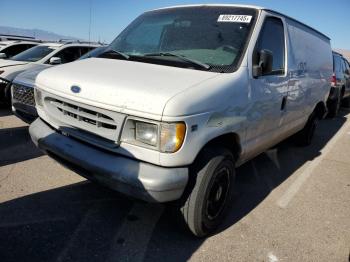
(333,107)
(5,97)
(346,102)
(305,136)
(208,202)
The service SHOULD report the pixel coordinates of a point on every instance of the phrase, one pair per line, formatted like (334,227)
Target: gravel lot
(292,204)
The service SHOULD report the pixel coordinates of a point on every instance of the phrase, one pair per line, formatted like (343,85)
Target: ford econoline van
(182,97)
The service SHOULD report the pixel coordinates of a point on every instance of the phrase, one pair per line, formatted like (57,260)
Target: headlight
(38,97)
(172,137)
(164,137)
(146,133)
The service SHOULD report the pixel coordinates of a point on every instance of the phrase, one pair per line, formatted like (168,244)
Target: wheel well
(320,110)
(230,141)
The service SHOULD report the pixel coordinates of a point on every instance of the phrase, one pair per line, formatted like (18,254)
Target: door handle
(284,103)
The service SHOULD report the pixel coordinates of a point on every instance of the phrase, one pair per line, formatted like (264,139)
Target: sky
(109,18)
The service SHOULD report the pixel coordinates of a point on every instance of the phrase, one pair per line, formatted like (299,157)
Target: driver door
(269,92)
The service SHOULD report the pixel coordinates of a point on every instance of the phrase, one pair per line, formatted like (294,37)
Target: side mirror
(264,65)
(55,60)
(3,55)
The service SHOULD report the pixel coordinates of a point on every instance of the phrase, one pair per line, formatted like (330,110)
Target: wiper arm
(182,57)
(111,51)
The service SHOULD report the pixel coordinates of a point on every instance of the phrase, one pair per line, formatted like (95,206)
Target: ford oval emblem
(75,89)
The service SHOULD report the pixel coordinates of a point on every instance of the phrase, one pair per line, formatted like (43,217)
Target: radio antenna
(90,22)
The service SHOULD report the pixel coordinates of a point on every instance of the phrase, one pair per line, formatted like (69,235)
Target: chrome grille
(85,115)
(95,125)
(23,94)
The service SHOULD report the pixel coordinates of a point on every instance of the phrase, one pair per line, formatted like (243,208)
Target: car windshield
(214,36)
(34,54)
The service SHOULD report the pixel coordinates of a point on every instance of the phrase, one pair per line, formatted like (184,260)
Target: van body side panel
(309,70)
(306,82)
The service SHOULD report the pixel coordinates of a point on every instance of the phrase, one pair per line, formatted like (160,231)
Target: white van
(180,98)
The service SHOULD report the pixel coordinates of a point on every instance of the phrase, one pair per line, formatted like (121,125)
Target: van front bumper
(129,176)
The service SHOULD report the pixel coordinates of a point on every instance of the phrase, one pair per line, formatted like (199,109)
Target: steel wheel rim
(218,193)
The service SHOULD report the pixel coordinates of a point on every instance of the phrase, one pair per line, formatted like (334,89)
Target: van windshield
(214,36)
(34,54)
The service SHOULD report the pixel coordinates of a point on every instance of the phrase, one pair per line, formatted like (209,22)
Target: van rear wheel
(207,204)
(346,102)
(334,106)
(305,136)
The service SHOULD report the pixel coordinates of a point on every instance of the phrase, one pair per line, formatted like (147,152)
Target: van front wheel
(206,205)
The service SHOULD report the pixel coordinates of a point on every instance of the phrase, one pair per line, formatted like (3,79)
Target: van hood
(6,63)
(119,85)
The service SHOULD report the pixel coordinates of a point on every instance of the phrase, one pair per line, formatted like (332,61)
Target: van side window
(272,38)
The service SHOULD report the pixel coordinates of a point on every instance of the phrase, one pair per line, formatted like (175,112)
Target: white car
(22,89)
(183,96)
(12,48)
(42,54)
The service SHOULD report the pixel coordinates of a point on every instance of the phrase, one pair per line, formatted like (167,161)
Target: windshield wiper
(184,58)
(111,51)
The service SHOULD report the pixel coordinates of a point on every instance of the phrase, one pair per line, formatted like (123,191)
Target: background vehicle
(22,89)
(43,54)
(340,90)
(185,94)
(9,49)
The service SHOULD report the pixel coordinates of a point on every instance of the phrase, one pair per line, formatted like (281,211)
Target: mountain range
(37,33)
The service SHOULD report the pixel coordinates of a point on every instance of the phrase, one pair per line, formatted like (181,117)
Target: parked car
(9,49)
(340,85)
(43,54)
(22,89)
(180,98)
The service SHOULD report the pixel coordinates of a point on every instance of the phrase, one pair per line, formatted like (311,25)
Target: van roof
(245,6)
(214,5)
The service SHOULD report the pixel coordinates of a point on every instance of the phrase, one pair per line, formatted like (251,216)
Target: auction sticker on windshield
(235,18)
